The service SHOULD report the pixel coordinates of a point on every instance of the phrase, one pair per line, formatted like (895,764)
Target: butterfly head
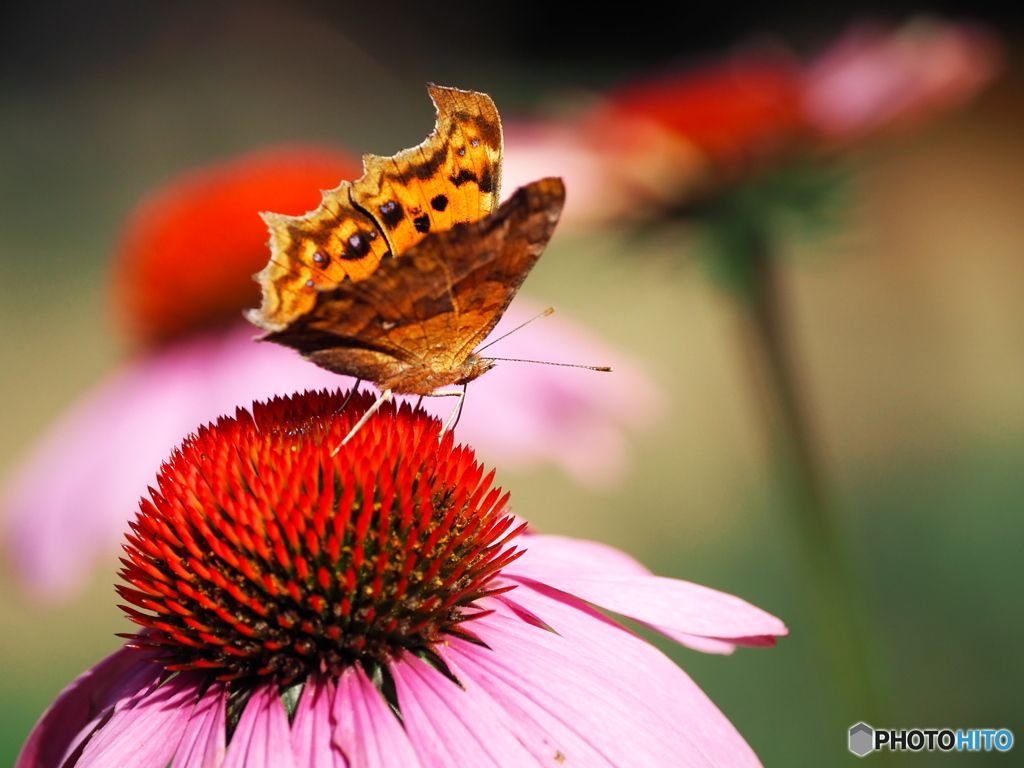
(427,379)
(475,366)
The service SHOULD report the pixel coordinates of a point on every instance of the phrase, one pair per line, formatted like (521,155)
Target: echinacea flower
(732,112)
(678,138)
(183,276)
(305,603)
(875,79)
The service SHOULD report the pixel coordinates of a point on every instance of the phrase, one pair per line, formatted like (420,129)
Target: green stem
(834,598)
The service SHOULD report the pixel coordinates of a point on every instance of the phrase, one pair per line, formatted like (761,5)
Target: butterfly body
(397,277)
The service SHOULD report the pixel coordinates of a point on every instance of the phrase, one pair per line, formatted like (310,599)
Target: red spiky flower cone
(272,548)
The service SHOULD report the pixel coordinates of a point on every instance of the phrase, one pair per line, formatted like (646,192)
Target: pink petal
(146,731)
(263,736)
(702,644)
(681,610)
(367,731)
(677,609)
(622,698)
(556,554)
(551,735)
(449,727)
(88,701)
(203,743)
(313,727)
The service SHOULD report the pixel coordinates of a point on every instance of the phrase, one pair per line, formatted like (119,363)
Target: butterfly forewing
(452,177)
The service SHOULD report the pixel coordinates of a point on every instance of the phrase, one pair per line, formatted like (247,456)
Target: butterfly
(397,277)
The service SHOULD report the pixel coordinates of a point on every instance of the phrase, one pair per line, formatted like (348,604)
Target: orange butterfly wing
(453,177)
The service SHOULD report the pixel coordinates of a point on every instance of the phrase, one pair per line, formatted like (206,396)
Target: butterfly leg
(384,397)
(457,411)
(355,388)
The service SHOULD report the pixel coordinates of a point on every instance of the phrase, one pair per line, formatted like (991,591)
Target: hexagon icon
(861,739)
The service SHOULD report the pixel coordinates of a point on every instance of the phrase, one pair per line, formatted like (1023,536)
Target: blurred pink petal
(108,448)
(595,190)
(874,78)
(523,413)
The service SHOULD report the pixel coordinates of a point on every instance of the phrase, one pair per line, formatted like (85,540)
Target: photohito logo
(865,739)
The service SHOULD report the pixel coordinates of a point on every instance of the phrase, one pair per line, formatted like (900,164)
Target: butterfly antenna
(603,368)
(384,397)
(545,313)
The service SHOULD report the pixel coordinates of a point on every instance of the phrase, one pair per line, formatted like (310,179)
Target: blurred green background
(909,323)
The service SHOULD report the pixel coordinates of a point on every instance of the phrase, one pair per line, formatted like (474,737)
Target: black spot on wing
(391,213)
(489,131)
(439,203)
(429,167)
(358,245)
(422,224)
(487,181)
(463,176)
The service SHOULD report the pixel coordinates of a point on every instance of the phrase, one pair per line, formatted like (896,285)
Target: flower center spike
(267,549)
